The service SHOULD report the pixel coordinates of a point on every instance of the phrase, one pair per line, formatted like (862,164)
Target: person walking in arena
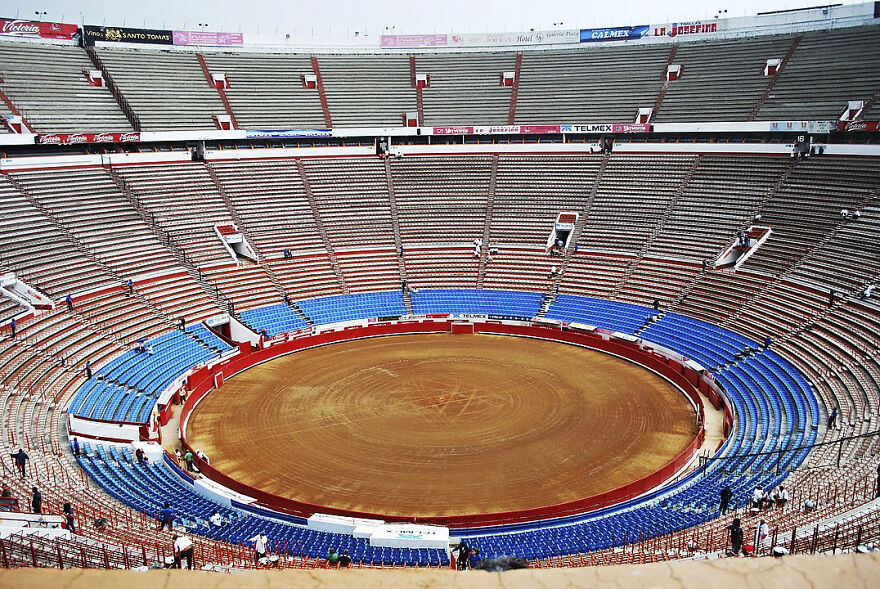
(726,496)
(736,536)
(832,418)
(183,549)
(67,510)
(261,545)
(37,501)
(20,457)
(166,517)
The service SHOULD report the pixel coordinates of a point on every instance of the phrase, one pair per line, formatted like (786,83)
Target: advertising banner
(414,40)
(613,34)
(805,126)
(859,125)
(607,128)
(684,29)
(75,138)
(539,129)
(31,28)
(556,37)
(92,34)
(206,38)
(497,130)
(280,133)
(453,131)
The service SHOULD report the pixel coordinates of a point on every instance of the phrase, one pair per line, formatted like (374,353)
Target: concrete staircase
(490,205)
(313,204)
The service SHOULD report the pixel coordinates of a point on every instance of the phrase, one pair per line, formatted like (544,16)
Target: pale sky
(341,17)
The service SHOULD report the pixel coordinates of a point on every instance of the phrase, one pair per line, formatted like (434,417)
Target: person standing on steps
(736,536)
(20,457)
(37,501)
(832,418)
(69,301)
(726,496)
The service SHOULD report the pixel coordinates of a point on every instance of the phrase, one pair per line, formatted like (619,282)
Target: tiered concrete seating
(720,199)
(276,212)
(178,295)
(246,286)
(441,267)
(721,80)
(367,90)
(531,191)
(306,276)
(593,274)
(441,199)
(185,203)
(39,253)
(47,84)
(521,268)
(633,193)
(91,207)
(849,258)
(808,206)
(266,90)
(369,270)
(466,88)
(352,200)
(595,85)
(834,347)
(826,71)
(167,89)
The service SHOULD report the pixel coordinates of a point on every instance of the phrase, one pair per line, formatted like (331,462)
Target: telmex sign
(607,128)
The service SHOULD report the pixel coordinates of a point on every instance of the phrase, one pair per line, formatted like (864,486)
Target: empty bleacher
(466,88)
(367,90)
(594,85)
(167,89)
(48,85)
(266,90)
(830,56)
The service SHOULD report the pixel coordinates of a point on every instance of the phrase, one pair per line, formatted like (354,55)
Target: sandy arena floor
(442,424)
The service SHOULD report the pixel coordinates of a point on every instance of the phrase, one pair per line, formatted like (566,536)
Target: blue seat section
(611,315)
(709,345)
(126,388)
(353,306)
(775,411)
(275,319)
(204,335)
(499,303)
(147,487)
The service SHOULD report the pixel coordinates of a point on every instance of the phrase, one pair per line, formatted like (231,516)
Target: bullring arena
(442,425)
(442,302)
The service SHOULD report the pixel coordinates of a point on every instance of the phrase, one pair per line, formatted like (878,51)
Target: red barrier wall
(201,384)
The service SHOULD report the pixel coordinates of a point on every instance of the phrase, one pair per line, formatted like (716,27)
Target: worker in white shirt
(780,497)
(261,544)
(216,519)
(762,534)
(758,498)
(183,548)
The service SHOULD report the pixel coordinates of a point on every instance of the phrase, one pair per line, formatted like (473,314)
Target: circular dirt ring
(442,425)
